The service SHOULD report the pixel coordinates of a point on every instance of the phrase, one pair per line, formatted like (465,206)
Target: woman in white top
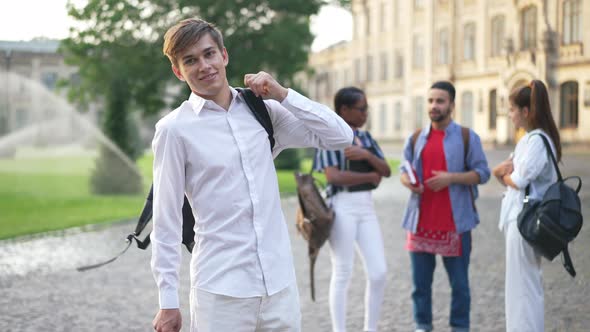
(530,165)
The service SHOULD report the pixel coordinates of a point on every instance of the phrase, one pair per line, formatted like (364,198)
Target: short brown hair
(186,32)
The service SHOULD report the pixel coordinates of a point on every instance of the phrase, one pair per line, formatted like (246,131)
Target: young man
(441,211)
(212,149)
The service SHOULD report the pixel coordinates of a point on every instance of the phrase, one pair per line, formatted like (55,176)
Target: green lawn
(38,195)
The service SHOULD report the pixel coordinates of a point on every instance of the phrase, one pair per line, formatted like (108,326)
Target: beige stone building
(486,47)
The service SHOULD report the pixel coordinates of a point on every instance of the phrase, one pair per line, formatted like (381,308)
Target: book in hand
(361,166)
(408,169)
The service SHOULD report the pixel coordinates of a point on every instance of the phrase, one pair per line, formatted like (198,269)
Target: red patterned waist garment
(444,243)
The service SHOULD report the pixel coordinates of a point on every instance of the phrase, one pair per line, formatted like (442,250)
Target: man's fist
(265,86)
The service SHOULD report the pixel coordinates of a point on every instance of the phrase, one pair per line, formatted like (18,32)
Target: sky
(27,19)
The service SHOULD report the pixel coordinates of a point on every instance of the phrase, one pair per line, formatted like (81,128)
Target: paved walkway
(41,291)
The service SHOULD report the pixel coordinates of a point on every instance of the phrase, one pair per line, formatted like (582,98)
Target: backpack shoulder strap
(465,134)
(258,108)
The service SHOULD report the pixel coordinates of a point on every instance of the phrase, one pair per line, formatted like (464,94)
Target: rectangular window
(399,65)
(369,68)
(572,22)
(467,109)
(383,119)
(493,109)
(529,28)
(418,60)
(419,111)
(397,125)
(569,105)
(384,67)
(469,41)
(497,36)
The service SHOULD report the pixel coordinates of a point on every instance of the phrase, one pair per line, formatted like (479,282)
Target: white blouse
(532,165)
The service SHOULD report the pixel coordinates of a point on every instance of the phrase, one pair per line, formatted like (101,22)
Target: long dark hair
(535,97)
(348,96)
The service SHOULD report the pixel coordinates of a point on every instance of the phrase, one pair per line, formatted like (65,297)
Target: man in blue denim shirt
(441,210)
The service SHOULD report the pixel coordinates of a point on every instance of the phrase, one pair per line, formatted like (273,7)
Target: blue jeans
(423,265)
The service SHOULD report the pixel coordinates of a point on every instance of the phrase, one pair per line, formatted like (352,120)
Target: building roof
(35,46)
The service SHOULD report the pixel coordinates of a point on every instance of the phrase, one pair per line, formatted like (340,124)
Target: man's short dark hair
(447,86)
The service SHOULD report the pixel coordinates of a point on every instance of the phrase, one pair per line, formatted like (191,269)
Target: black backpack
(549,224)
(258,108)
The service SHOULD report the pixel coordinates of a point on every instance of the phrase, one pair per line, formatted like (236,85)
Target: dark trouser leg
(423,265)
(458,273)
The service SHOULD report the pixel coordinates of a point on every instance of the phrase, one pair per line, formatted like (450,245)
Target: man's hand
(265,86)
(355,152)
(439,181)
(167,320)
(405,180)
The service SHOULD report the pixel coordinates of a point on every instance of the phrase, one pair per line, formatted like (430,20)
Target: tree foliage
(122,39)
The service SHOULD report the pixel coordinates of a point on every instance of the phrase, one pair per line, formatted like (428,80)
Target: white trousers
(218,313)
(356,223)
(524,284)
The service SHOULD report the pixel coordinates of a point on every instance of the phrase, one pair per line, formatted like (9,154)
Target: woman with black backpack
(352,174)
(530,165)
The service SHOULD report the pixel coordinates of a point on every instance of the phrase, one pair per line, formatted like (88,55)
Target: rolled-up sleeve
(300,122)
(476,158)
(166,236)
(533,164)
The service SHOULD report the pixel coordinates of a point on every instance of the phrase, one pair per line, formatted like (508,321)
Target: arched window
(529,28)
(569,105)
(493,109)
(572,21)
(467,109)
(497,35)
(469,41)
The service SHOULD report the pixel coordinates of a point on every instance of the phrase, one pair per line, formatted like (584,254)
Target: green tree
(121,40)
(117,47)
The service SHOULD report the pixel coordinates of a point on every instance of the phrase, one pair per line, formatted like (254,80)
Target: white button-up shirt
(532,165)
(222,161)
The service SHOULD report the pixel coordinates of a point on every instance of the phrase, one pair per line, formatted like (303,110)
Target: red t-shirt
(436,228)
(435,207)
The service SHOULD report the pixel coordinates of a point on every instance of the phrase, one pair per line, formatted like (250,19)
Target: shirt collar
(198,103)
(450,128)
